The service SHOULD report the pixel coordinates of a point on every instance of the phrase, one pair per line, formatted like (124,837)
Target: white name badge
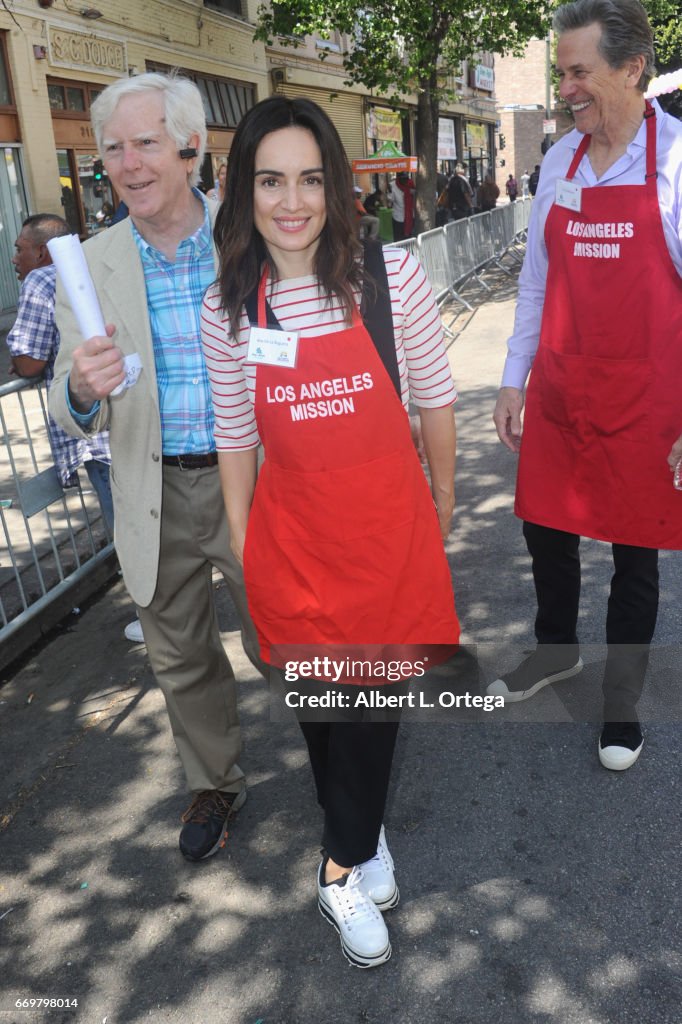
(272,348)
(568,195)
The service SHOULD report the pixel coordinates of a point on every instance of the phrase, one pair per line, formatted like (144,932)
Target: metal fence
(466,248)
(52,537)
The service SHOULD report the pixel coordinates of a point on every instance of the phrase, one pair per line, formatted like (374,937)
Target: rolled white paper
(67,256)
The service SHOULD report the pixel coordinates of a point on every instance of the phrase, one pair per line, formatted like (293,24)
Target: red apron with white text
(604,402)
(343,544)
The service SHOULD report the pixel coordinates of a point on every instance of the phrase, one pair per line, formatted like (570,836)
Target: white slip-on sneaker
(361,928)
(133,632)
(620,744)
(378,880)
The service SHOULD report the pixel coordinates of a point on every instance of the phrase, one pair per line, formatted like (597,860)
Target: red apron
(343,544)
(604,401)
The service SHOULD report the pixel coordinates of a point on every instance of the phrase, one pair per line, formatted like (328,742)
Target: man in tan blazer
(150,273)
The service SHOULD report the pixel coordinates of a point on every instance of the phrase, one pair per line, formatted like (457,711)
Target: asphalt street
(537,888)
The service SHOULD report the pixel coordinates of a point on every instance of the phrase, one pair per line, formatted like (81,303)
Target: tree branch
(11,13)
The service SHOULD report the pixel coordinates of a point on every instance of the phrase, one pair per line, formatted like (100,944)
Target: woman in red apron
(341,544)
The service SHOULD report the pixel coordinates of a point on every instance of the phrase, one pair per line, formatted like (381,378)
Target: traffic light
(97,173)
(503,142)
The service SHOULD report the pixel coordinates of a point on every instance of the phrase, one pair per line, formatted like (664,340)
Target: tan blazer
(132,417)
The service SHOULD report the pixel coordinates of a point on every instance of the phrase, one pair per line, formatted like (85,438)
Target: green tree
(409,48)
(666,22)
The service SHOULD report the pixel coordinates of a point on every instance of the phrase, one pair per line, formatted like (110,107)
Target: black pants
(631,612)
(351,764)
(398,230)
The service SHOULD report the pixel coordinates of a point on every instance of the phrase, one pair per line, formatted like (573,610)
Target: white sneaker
(364,938)
(133,632)
(378,879)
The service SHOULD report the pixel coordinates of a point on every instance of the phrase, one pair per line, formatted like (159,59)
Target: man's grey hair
(183,105)
(42,227)
(625,31)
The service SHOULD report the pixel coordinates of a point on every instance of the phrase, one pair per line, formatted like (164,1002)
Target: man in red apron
(600,320)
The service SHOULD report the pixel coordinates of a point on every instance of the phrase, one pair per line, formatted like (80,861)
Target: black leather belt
(191,461)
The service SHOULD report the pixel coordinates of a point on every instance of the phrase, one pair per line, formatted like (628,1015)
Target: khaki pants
(181,630)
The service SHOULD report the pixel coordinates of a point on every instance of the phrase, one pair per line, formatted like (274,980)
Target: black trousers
(351,764)
(630,617)
(398,230)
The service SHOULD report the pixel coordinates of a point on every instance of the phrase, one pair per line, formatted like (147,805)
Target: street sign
(549,127)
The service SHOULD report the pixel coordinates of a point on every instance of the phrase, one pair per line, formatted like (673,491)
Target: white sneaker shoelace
(351,903)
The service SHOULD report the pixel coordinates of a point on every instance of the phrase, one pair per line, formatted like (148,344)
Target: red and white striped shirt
(425,375)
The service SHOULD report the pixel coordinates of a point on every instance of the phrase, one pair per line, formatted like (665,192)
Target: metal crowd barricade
(410,245)
(53,537)
(463,249)
(522,210)
(504,235)
(459,252)
(434,256)
(482,244)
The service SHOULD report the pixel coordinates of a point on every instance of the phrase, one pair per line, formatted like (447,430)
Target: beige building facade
(57,55)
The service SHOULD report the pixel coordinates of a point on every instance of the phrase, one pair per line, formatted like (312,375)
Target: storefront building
(55,58)
(364,121)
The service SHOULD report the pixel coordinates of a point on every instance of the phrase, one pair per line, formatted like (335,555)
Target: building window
(6,97)
(225,102)
(228,6)
(70,99)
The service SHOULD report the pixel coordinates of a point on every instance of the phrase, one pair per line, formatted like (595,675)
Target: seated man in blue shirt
(150,272)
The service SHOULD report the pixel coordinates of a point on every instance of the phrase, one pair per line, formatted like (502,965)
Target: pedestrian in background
(218,190)
(402,206)
(460,195)
(534,180)
(511,188)
(367,222)
(488,193)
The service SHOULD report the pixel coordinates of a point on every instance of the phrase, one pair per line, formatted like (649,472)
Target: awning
(387,158)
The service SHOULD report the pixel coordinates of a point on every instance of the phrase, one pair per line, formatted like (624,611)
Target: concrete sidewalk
(536,887)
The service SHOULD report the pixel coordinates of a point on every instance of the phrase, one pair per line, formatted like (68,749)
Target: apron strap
(251,304)
(579,154)
(651,172)
(376,309)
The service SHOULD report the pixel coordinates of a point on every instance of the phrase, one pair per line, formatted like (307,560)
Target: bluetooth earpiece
(187,154)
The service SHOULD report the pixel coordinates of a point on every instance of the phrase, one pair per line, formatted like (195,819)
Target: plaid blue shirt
(35,334)
(174,294)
